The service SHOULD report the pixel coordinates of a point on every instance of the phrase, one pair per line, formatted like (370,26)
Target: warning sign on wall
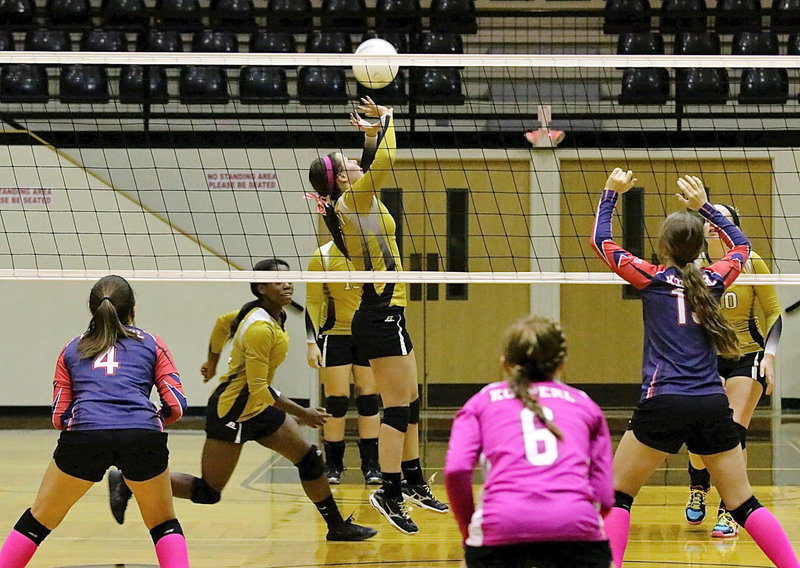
(241,179)
(27,197)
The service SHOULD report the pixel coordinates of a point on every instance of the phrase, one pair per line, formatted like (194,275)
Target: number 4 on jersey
(107,361)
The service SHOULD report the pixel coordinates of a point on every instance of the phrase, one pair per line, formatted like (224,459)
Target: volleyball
(375,76)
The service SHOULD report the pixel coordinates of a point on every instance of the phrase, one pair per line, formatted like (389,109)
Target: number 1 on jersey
(681,297)
(107,361)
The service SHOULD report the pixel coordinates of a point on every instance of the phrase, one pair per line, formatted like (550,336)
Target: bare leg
(58,492)
(368,426)
(336,382)
(289,443)
(218,462)
(392,377)
(154,498)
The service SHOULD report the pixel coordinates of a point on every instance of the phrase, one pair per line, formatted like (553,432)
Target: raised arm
(360,194)
(729,266)
(168,383)
(633,269)
(462,455)
(62,394)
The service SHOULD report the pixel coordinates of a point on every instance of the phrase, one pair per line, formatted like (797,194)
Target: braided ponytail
(534,349)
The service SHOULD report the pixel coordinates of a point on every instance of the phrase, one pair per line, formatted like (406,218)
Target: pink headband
(329,171)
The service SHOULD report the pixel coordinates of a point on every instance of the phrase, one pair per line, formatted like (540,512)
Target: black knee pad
(311,466)
(368,404)
(336,405)
(742,434)
(169,527)
(623,501)
(743,511)
(203,493)
(28,525)
(413,412)
(396,417)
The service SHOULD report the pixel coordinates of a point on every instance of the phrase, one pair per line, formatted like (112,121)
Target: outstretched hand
(370,109)
(365,126)
(693,192)
(620,180)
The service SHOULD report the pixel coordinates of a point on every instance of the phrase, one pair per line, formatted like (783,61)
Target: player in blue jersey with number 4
(101,404)
(683,400)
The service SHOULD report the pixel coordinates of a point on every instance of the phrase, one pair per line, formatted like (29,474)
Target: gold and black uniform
(329,309)
(741,305)
(240,409)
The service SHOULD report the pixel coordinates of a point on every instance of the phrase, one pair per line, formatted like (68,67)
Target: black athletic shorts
(259,426)
(704,423)
(557,554)
(381,332)
(338,350)
(745,366)
(87,454)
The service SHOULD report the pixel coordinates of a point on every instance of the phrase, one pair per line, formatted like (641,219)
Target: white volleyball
(375,76)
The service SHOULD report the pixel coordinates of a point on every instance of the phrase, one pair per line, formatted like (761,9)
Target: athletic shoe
(118,495)
(726,527)
(422,496)
(696,507)
(372,474)
(334,474)
(349,531)
(395,512)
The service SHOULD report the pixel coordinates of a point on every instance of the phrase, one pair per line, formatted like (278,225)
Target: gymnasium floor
(265,521)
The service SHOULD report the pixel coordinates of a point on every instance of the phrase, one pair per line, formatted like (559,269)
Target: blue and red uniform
(112,391)
(678,357)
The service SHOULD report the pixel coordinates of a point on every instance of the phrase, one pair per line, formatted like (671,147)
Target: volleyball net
(500,161)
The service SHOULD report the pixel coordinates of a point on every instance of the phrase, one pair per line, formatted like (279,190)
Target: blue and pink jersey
(536,487)
(678,357)
(112,391)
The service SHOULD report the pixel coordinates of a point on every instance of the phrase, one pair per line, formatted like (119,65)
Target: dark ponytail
(682,240)
(268,264)
(323,180)
(111,302)
(534,349)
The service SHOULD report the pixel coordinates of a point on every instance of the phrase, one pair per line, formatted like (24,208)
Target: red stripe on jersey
(62,392)
(168,383)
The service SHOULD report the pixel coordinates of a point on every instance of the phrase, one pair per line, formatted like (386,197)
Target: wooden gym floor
(264,520)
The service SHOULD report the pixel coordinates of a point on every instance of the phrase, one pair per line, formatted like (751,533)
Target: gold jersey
(742,303)
(368,229)
(331,305)
(260,345)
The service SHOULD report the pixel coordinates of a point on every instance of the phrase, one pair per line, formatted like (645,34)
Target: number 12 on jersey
(541,445)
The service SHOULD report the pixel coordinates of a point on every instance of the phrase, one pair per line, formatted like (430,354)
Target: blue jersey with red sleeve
(678,357)
(112,390)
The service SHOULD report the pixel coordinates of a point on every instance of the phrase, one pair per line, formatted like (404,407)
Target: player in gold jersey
(364,230)
(329,312)
(747,377)
(245,406)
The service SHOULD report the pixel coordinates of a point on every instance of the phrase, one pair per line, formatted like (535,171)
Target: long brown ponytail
(534,349)
(111,302)
(682,240)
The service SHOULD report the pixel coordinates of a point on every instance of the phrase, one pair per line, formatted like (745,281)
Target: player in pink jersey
(682,398)
(101,403)
(544,447)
